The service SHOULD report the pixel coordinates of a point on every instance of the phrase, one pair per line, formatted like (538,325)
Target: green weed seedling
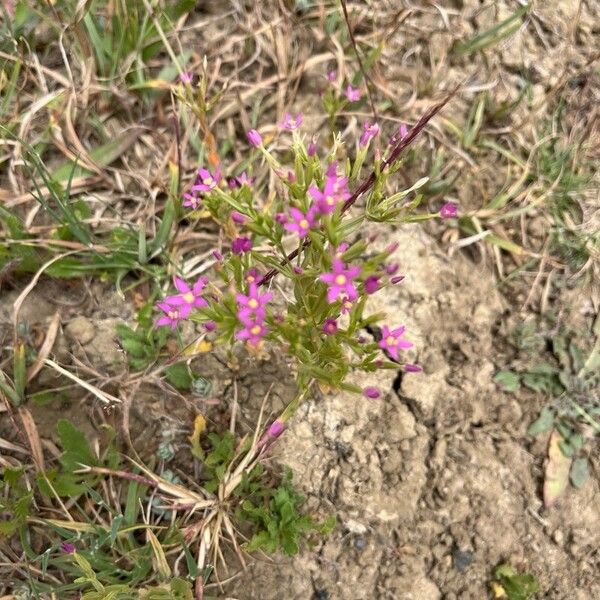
(511,584)
(571,381)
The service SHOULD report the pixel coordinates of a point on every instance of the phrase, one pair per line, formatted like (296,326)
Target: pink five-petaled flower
(254,138)
(243,179)
(339,280)
(330,326)
(371,392)
(252,307)
(391,340)
(191,200)
(290,122)
(301,223)
(253,331)
(369,131)
(371,284)
(449,210)
(173,313)
(353,94)
(206,181)
(335,190)
(190,296)
(241,245)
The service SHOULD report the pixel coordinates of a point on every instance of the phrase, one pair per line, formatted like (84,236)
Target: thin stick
(360,62)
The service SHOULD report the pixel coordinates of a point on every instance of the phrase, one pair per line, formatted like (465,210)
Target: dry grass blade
(33,437)
(44,351)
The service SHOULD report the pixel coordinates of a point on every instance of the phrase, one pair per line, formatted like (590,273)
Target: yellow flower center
(188,297)
(255,330)
(173,314)
(208,181)
(330,201)
(250,278)
(304,224)
(252,303)
(340,280)
(390,341)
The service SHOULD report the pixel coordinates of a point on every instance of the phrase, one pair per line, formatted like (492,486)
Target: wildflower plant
(295,273)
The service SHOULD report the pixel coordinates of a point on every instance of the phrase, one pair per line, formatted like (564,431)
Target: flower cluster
(205,182)
(251,313)
(332,269)
(177,307)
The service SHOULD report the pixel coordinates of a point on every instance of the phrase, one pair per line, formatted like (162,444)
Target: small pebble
(461,559)
(81,330)
(360,543)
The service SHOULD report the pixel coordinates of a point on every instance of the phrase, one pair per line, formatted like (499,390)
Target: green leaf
(76,450)
(508,381)
(179,376)
(579,472)
(544,422)
(516,586)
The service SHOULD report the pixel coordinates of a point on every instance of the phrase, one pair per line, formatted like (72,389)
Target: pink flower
(210,325)
(369,131)
(371,284)
(191,200)
(353,94)
(391,340)
(346,305)
(173,313)
(243,179)
(189,296)
(330,326)
(410,368)
(281,218)
(399,135)
(391,268)
(241,245)
(253,331)
(252,307)
(254,138)
(238,217)
(335,190)
(302,223)
(252,276)
(331,76)
(340,281)
(371,392)
(312,147)
(290,122)
(276,429)
(67,548)
(205,181)
(449,211)
(186,77)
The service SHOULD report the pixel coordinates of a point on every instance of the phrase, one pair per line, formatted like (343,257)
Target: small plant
(512,585)
(308,237)
(572,416)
